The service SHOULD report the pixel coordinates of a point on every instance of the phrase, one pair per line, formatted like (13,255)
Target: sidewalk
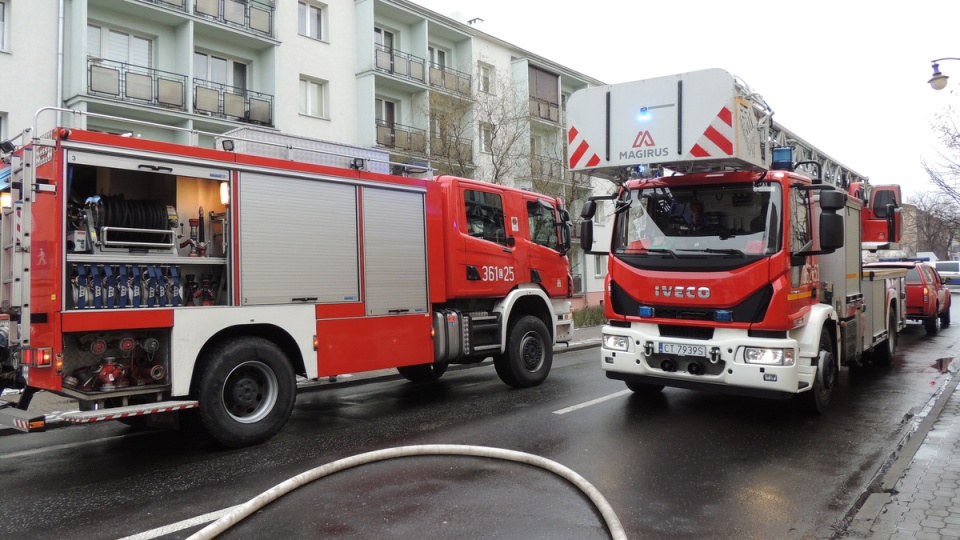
(919,495)
(53,406)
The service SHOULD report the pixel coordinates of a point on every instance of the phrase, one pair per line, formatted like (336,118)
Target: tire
(817,399)
(883,354)
(645,390)
(528,356)
(945,316)
(423,372)
(246,388)
(932,324)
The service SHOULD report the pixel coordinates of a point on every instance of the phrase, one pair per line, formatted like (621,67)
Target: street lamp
(939,80)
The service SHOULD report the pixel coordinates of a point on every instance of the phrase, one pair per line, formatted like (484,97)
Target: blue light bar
(645,311)
(723,315)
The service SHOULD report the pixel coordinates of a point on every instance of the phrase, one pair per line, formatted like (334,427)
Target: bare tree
(945,174)
(935,222)
(503,121)
(451,134)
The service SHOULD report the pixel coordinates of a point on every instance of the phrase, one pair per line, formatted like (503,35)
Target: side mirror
(832,201)
(586,235)
(589,210)
(831,232)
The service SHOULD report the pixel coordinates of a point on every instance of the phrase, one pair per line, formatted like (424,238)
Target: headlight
(768,357)
(616,343)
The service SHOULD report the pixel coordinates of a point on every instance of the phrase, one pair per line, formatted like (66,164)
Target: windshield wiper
(654,250)
(722,251)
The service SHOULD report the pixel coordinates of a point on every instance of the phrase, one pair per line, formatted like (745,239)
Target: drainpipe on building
(58,102)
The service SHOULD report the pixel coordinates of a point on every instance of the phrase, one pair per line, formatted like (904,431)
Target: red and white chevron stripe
(580,150)
(717,140)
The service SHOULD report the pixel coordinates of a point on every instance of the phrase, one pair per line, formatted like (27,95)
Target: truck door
(882,220)
(547,267)
(490,243)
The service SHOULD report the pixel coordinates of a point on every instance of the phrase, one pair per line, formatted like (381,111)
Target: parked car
(950,272)
(928,298)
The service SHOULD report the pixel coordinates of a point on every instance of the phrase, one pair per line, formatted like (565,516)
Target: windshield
(741,220)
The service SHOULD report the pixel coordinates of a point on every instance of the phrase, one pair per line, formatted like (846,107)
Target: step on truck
(153,280)
(735,260)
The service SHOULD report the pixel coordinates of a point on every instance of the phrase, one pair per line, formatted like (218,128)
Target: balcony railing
(402,137)
(545,167)
(451,148)
(146,86)
(545,110)
(231,102)
(400,63)
(250,15)
(451,80)
(255,16)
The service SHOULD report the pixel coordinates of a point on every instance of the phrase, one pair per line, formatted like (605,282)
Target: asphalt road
(685,465)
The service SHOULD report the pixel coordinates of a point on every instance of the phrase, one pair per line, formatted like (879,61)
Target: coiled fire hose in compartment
(117,211)
(606,511)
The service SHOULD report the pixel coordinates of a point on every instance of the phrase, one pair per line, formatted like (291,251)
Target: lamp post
(939,80)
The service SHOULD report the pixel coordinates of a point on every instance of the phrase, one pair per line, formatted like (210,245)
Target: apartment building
(424,88)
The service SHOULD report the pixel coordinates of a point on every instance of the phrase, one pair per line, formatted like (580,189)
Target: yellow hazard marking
(798,295)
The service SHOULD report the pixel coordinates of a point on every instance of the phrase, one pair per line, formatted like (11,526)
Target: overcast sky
(848,76)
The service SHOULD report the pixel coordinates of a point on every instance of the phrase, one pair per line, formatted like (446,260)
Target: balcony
(400,64)
(232,103)
(252,16)
(454,149)
(544,167)
(400,137)
(450,80)
(544,110)
(140,85)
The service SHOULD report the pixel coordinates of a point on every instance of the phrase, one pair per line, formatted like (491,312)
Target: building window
(119,46)
(544,85)
(599,265)
(438,57)
(4,16)
(219,70)
(312,20)
(384,38)
(486,138)
(312,98)
(485,80)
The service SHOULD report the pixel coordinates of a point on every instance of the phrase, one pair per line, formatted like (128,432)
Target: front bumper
(723,369)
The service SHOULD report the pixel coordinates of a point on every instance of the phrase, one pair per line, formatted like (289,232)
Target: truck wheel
(933,323)
(246,388)
(645,390)
(422,372)
(883,354)
(945,318)
(529,355)
(817,399)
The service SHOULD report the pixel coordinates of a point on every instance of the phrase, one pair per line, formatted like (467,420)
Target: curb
(871,503)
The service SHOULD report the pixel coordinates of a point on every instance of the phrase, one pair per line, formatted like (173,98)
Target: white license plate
(679,349)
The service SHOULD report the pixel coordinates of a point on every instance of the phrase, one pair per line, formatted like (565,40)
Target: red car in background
(928,298)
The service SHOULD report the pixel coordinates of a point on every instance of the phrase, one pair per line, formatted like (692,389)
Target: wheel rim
(532,351)
(250,392)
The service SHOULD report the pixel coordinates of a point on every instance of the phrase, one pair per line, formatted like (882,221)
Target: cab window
(485,216)
(543,225)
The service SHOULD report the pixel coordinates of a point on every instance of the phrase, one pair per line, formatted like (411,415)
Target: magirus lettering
(668,291)
(644,153)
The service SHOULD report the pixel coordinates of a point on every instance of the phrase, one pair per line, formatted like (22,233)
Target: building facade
(388,74)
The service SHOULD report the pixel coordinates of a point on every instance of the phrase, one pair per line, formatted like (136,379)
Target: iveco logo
(681,292)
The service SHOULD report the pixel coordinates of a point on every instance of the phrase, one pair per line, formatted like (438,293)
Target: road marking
(68,446)
(593,402)
(180,525)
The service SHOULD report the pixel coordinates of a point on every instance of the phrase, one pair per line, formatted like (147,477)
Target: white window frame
(438,56)
(486,138)
(315,87)
(380,36)
(486,81)
(305,24)
(4,25)
(104,45)
(230,69)
(599,265)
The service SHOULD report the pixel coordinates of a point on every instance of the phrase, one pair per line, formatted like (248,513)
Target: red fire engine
(731,270)
(142,277)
